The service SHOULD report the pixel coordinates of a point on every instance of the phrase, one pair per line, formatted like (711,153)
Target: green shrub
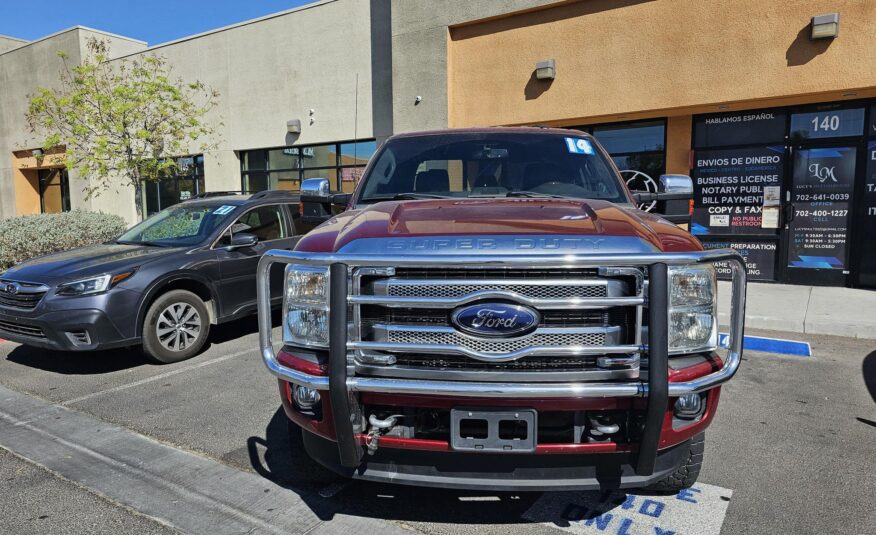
(25,237)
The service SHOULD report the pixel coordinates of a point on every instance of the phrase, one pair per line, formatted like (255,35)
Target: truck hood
(83,262)
(521,224)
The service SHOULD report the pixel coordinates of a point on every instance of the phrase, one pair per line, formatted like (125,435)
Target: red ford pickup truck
(489,310)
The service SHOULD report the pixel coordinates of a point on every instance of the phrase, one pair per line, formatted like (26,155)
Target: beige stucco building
(668,86)
(313,64)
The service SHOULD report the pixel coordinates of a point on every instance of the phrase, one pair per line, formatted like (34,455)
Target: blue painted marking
(770,345)
(686,495)
(658,531)
(602,521)
(651,508)
(624,528)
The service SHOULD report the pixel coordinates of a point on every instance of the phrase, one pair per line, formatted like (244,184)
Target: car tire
(686,474)
(176,327)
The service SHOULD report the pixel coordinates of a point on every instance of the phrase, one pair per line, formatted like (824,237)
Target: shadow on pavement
(114,360)
(77,363)
(869,372)
(280,458)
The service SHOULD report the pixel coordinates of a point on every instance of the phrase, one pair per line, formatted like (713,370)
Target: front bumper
(72,324)
(656,391)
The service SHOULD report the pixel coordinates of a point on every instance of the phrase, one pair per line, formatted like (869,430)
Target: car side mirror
(318,203)
(242,239)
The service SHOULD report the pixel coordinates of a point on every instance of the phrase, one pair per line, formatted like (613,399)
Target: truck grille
(23,295)
(449,337)
(401,323)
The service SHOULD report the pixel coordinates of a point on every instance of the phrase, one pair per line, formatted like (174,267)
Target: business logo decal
(822,173)
(495,320)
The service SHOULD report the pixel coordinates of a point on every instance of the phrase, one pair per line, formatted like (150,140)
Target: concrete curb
(805,309)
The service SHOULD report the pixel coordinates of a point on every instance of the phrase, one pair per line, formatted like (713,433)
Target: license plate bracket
(505,431)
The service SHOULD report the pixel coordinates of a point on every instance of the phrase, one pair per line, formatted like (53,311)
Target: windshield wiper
(146,243)
(533,194)
(406,197)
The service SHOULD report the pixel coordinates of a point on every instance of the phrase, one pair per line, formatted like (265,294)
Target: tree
(122,122)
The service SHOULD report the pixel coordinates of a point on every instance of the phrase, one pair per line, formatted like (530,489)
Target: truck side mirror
(674,193)
(676,184)
(315,201)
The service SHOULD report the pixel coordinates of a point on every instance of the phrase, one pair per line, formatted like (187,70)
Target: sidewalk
(805,309)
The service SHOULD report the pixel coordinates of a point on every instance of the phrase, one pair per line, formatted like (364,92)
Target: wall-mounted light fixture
(546,70)
(825,26)
(293,126)
(37,153)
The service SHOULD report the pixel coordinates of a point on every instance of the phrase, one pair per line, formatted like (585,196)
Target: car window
(265,222)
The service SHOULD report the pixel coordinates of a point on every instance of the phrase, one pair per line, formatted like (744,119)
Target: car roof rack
(207,194)
(273,193)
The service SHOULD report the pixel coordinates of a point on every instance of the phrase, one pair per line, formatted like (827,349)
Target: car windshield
(459,165)
(178,226)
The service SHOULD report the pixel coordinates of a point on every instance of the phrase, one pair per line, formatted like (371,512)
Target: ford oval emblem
(495,320)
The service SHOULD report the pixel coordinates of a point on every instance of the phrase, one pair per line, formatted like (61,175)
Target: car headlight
(693,306)
(92,285)
(305,311)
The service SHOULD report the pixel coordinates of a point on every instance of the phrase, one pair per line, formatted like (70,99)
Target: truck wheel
(176,327)
(685,475)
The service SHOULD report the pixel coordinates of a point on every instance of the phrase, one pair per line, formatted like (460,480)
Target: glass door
(54,190)
(818,214)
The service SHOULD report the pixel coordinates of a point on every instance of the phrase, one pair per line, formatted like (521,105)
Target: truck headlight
(305,309)
(693,306)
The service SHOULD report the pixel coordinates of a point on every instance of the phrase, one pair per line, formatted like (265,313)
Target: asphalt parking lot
(791,450)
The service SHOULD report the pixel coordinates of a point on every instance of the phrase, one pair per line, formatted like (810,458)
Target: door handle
(790,210)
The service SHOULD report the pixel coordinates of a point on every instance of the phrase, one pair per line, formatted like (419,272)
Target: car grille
(401,322)
(25,295)
(22,329)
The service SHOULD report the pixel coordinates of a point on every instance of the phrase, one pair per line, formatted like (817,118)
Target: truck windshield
(459,165)
(178,226)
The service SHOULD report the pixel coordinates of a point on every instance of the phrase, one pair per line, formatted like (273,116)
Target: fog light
(305,398)
(689,406)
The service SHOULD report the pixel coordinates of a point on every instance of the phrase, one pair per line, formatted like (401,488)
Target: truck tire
(176,327)
(308,470)
(685,475)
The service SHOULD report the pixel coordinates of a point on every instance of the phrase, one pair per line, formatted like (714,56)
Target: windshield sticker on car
(579,146)
(224,209)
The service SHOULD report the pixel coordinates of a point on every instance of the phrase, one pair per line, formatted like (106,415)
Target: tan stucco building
(735,93)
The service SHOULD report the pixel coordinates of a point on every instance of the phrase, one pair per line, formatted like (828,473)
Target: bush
(25,237)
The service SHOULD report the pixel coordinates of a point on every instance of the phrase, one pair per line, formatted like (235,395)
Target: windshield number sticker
(579,146)
(224,209)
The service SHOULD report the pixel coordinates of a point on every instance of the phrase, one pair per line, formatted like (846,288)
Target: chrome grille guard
(657,389)
(510,390)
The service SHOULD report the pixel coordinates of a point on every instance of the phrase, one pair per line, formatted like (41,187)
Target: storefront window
(285,168)
(185,181)
(639,146)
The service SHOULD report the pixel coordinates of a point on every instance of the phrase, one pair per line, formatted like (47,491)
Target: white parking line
(699,510)
(192,493)
(158,377)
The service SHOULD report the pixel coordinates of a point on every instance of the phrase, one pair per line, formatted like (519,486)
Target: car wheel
(176,327)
